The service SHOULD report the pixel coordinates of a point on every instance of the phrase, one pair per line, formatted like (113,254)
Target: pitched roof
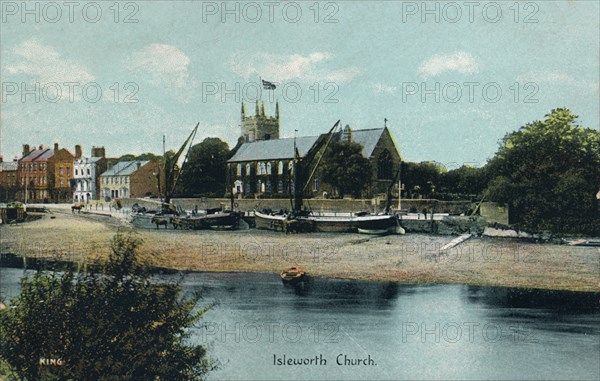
(38,154)
(368,139)
(124,168)
(273,149)
(8,166)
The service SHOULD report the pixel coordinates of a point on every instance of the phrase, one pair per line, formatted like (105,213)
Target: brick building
(8,179)
(44,174)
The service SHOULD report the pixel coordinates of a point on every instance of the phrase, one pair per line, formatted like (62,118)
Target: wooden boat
(352,224)
(266,221)
(216,221)
(293,275)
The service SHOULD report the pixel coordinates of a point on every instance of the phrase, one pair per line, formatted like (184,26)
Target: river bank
(412,258)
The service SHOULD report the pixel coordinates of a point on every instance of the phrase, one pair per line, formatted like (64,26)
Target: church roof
(368,139)
(273,149)
(284,148)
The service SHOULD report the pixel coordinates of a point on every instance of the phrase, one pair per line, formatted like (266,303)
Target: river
(351,330)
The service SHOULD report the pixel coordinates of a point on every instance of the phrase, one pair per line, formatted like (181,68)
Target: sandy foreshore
(412,258)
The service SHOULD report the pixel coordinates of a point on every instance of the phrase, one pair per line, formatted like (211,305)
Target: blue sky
(374,60)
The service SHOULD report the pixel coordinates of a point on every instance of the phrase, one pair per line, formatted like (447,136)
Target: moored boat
(267,221)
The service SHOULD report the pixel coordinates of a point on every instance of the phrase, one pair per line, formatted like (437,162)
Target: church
(262,162)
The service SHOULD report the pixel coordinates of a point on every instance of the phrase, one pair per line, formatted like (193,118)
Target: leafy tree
(111,325)
(549,173)
(465,182)
(346,169)
(421,179)
(205,170)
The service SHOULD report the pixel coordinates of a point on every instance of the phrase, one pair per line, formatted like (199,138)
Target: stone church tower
(260,126)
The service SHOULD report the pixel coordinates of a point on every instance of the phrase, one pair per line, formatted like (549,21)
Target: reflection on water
(408,331)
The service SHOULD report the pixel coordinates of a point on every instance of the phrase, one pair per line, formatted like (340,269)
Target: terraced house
(44,174)
(86,175)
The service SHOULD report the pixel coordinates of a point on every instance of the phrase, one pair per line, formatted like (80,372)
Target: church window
(280,168)
(239,169)
(384,166)
(268,168)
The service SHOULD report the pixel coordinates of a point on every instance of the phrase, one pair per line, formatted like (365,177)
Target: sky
(451,78)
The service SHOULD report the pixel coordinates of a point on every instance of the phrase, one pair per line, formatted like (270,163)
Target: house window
(60,171)
(68,172)
(76,172)
(88,171)
(384,166)
(34,167)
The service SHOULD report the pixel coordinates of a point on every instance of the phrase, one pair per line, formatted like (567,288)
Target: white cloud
(383,88)
(461,62)
(166,65)
(557,78)
(281,68)
(45,64)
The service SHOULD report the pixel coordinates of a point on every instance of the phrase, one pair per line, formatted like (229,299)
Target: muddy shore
(411,258)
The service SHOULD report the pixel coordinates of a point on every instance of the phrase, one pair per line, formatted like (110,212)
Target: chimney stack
(55,147)
(25,149)
(15,159)
(78,152)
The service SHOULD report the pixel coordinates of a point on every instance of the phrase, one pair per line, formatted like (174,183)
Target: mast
(170,177)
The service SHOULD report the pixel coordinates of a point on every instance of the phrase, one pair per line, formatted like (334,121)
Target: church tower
(260,126)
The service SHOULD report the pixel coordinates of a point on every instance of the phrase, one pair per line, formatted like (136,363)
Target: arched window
(280,168)
(239,169)
(248,169)
(384,166)
(269,168)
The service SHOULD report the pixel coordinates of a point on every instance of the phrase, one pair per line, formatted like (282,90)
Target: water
(412,332)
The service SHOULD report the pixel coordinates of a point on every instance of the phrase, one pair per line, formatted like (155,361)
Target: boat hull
(269,222)
(217,221)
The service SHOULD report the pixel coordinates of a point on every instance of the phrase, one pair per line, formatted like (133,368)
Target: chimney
(78,152)
(25,149)
(41,147)
(139,164)
(15,159)
(1,158)
(55,147)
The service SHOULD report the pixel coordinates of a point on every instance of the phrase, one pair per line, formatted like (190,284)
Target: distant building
(8,179)
(86,175)
(44,174)
(128,179)
(262,163)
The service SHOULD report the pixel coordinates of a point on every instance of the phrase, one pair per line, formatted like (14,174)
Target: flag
(268,85)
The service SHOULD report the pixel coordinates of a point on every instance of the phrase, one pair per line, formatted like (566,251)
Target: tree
(117,324)
(346,169)
(421,179)
(205,170)
(549,173)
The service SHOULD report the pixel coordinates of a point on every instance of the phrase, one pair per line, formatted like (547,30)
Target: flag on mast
(268,85)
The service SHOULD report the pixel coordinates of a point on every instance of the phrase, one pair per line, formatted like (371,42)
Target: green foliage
(465,182)
(113,325)
(205,170)
(346,169)
(549,173)
(421,179)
